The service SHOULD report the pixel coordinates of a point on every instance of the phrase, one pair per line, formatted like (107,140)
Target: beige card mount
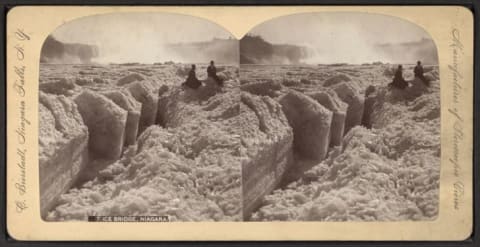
(296,123)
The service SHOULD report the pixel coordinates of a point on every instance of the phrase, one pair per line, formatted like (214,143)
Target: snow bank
(266,140)
(63,86)
(387,173)
(163,97)
(145,93)
(370,98)
(269,88)
(63,150)
(156,182)
(129,79)
(361,184)
(351,95)
(432,75)
(389,71)
(106,123)
(84,81)
(190,171)
(392,105)
(208,89)
(332,102)
(126,101)
(310,122)
(183,71)
(336,79)
(416,88)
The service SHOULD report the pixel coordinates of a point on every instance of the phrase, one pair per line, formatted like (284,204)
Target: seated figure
(212,72)
(418,72)
(192,81)
(398,81)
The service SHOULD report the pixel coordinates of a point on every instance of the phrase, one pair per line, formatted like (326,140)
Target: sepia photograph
(308,117)
(138,118)
(240,123)
(347,124)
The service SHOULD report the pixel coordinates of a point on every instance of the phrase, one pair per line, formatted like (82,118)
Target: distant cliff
(255,50)
(219,50)
(409,52)
(54,51)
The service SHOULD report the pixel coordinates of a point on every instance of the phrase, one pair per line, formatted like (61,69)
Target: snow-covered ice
(286,142)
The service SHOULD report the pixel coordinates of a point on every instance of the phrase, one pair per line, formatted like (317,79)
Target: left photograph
(139,117)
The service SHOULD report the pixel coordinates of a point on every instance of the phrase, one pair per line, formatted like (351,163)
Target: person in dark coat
(398,80)
(192,81)
(212,72)
(418,72)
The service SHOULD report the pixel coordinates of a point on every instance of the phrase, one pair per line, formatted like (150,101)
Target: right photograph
(340,116)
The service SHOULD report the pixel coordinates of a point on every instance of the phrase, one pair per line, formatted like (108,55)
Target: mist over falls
(222,51)
(54,51)
(250,49)
(409,52)
(255,50)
